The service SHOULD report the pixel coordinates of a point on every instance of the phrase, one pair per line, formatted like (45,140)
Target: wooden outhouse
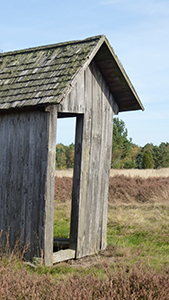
(83,79)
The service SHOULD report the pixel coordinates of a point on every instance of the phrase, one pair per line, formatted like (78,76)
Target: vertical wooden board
(84,200)
(31,235)
(74,101)
(2,160)
(103,179)
(72,106)
(106,164)
(94,173)
(80,92)
(49,191)
(3,151)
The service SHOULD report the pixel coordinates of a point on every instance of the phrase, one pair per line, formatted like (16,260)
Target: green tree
(158,158)
(64,156)
(164,155)
(148,147)
(161,155)
(148,161)
(70,155)
(60,156)
(129,164)
(121,145)
(139,160)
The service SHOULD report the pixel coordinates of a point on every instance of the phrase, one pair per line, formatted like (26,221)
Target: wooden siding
(49,186)
(74,102)
(24,178)
(92,164)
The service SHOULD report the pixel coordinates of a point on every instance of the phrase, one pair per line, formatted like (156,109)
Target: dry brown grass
(63,189)
(164,172)
(138,282)
(123,189)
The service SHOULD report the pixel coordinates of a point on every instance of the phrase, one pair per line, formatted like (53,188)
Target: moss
(31,67)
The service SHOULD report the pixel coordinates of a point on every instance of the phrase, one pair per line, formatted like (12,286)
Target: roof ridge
(50,46)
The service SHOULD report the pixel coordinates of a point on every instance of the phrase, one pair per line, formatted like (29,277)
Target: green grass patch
(61,223)
(61,228)
(137,231)
(140,231)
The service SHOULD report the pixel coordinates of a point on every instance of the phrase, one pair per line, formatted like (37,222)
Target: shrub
(138,282)
(148,162)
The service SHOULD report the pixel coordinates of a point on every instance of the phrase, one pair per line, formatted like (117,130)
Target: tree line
(125,154)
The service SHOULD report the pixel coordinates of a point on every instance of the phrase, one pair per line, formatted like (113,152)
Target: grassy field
(140,231)
(135,264)
(138,218)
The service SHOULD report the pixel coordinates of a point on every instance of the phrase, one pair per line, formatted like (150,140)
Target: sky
(138,31)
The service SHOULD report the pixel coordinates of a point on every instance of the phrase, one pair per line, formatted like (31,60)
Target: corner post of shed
(49,188)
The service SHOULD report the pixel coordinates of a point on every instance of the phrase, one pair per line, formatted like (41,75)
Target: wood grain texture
(63,255)
(49,190)
(92,166)
(27,164)
(25,178)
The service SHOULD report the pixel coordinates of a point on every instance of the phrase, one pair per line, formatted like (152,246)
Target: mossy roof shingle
(42,75)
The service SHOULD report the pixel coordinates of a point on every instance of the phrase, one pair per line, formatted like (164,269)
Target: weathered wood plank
(28,159)
(84,200)
(96,158)
(74,226)
(74,101)
(106,164)
(23,165)
(49,191)
(63,255)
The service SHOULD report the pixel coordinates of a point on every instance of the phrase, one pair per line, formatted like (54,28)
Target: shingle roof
(42,75)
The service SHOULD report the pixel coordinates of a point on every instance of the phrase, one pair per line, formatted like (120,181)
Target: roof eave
(115,74)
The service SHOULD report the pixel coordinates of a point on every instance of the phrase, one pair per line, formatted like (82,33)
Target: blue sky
(138,31)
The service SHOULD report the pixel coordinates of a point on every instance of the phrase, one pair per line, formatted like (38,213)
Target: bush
(148,162)
(130,164)
(122,189)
